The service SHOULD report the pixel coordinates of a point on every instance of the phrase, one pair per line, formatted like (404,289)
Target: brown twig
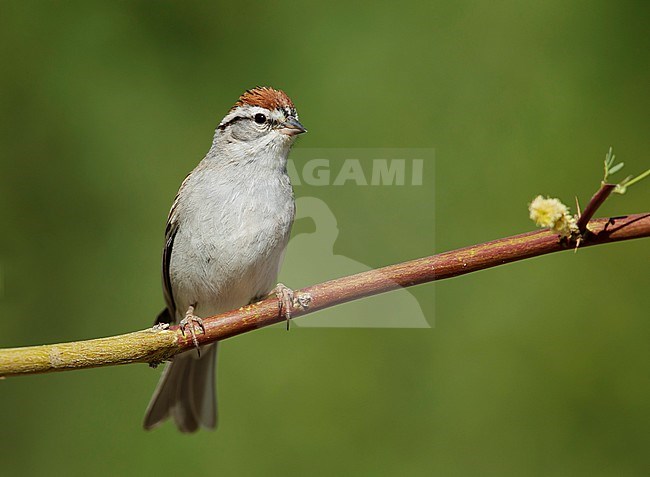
(594,204)
(156,345)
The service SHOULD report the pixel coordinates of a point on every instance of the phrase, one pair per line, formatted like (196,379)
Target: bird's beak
(292,127)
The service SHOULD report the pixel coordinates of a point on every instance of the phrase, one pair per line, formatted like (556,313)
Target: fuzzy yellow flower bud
(553,214)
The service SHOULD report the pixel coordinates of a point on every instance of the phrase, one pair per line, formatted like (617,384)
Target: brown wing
(168,315)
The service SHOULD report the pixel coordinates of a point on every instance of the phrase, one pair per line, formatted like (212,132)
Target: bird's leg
(287,299)
(189,320)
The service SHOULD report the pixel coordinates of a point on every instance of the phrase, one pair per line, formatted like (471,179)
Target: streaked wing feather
(171,229)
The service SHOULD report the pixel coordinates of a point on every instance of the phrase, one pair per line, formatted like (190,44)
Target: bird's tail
(186,392)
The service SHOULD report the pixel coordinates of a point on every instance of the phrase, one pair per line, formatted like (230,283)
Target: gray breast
(230,241)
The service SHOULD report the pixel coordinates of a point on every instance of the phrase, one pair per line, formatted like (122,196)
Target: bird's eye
(260,118)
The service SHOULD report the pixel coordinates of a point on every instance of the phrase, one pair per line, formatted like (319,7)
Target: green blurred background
(535,368)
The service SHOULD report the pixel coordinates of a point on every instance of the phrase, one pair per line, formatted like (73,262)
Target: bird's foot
(190,320)
(288,299)
(160,326)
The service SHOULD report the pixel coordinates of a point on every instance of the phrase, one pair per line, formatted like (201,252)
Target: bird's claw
(189,320)
(287,300)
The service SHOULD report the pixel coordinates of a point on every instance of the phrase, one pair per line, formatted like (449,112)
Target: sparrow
(225,239)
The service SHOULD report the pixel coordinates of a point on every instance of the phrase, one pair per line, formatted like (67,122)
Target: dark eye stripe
(232,121)
(239,118)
